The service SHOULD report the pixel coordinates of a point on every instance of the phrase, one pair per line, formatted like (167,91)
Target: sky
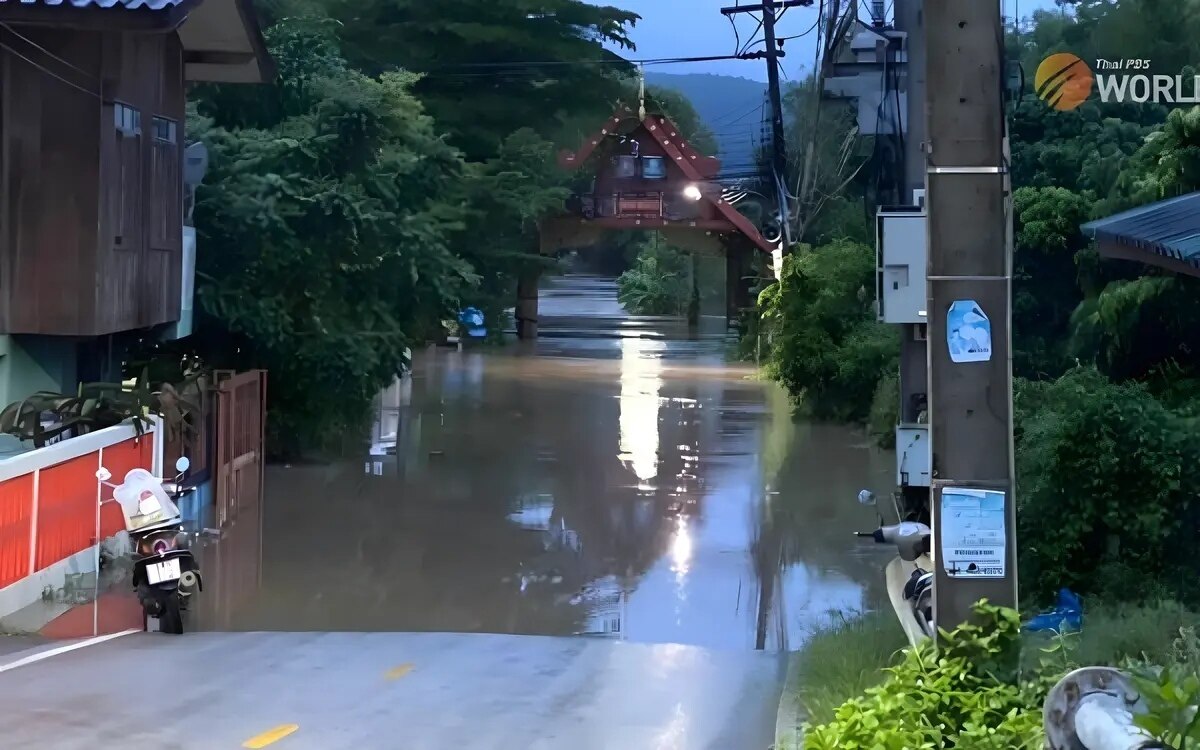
(696,28)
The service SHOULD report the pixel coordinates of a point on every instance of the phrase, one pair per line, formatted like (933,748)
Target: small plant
(99,405)
(965,693)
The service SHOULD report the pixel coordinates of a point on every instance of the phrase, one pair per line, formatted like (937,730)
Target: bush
(826,347)
(885,411)
(1108,485)
(659,282)
(967,694)
(986,686)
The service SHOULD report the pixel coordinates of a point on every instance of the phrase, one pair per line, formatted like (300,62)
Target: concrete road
(384,691)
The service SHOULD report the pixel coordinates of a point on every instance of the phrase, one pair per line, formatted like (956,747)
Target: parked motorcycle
(909,577)
(165,573)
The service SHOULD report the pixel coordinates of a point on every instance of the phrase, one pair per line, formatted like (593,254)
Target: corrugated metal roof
(1170,228)
(126,4)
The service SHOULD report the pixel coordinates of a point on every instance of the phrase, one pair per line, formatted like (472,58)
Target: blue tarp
(1066,617)
(471,319)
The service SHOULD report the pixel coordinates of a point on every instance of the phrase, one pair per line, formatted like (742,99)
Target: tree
(679,109)
(826,347)
(492,68)
(1045,287)
(326,234)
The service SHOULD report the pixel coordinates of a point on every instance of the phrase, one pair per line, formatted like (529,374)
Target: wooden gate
(240,427)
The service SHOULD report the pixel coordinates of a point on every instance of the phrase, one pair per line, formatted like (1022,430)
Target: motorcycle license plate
(163,572)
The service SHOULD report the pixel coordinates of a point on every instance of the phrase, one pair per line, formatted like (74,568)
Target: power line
(606,61)
(49,72)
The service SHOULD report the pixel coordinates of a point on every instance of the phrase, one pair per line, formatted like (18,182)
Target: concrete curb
(790,717)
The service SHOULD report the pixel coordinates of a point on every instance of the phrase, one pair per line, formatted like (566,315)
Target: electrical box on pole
(901,239)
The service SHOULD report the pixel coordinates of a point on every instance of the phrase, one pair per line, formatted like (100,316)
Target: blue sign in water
(968,332)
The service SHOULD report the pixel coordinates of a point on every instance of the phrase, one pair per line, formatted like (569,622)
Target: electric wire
(51,73)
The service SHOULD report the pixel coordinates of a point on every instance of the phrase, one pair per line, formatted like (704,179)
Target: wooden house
(92,101)
(648,177)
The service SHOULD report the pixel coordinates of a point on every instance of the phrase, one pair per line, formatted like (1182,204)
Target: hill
(731,107)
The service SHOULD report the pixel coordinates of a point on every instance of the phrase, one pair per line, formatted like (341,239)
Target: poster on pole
(968,332)
(972,534)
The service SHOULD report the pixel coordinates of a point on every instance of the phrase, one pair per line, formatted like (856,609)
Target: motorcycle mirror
(103,474)
(866,497)
(182,464)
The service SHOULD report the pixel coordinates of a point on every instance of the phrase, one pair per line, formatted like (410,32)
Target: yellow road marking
(398,672)
(270,736)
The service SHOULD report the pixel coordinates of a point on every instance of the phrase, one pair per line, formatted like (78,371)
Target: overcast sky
(696,28)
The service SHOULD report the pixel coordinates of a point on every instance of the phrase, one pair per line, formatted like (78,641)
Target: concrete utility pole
(969,289)
(772,54)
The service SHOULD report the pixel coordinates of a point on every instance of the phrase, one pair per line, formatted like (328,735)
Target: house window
(126,194)
(127,119)
(165,185)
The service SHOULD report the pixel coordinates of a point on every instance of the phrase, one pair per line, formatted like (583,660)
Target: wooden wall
(90,220)
(607,182)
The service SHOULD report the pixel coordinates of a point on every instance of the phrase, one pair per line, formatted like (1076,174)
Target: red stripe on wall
(16,515)
(134,453)
(66,521)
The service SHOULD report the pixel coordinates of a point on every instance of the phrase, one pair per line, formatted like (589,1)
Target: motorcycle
(165,572)
(909,577)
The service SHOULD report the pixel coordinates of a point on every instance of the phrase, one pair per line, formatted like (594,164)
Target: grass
(844,658)
(1114,633)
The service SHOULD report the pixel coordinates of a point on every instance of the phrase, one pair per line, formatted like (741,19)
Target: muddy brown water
(617,478)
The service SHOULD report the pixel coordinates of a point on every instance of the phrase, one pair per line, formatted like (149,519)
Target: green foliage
(472,51)
(1107,478)
(99,405)
(825,345)
(327,236)
(843,659)
(885,411)
(679,109)
(659,283)
(964,694)
(1045,291)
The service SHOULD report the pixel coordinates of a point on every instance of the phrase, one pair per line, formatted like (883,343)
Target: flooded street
(616,478)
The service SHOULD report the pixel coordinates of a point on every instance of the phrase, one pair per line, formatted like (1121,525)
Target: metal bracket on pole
(967,170)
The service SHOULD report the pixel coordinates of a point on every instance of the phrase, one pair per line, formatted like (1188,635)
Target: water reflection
(641,383)
(628,486)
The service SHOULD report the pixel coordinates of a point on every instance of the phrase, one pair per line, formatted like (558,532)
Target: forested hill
(731,107)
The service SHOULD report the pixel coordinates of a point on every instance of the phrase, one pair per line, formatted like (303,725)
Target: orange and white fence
(54,513)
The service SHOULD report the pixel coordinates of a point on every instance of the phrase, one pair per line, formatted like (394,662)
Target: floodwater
(616,478)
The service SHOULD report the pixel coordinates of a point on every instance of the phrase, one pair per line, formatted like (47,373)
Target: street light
(692,193)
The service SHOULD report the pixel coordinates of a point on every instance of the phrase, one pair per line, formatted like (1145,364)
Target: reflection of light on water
(674,734)
(641,382)
(681,549)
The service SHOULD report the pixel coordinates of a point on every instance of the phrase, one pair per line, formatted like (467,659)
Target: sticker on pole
(968,332)
(972,534)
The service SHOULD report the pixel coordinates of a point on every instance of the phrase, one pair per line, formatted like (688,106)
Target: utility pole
(772,54)
(969,311)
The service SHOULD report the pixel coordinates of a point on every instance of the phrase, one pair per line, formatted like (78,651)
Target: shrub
(966,694)
(826,347)
(659,282)
(1108,480)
